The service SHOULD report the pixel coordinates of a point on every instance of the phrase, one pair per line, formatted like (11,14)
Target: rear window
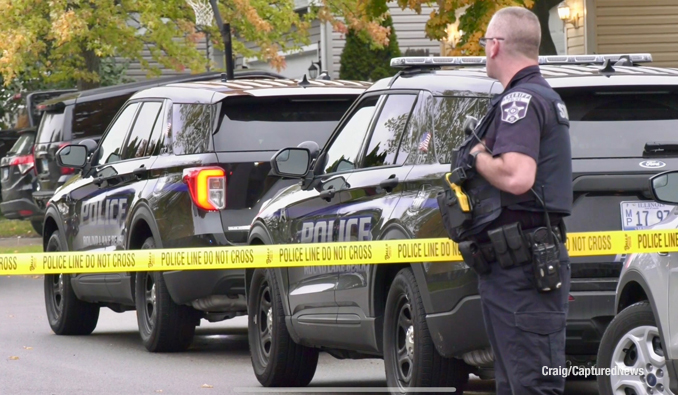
(92,117)
(268,124)
(23,145)
(618,123)
(52,126)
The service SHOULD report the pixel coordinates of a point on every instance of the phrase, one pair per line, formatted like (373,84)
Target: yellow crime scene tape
(316,254)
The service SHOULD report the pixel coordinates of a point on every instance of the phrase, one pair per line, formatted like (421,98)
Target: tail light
(66,170)
(207,186)
(25,163)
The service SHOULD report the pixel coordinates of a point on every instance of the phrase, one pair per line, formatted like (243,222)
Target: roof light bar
(439,61)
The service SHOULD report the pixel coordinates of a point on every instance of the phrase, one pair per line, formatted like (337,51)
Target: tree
(65,40)
(359,61)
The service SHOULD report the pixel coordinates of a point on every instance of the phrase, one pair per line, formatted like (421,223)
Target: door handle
(327,194)
(140,171)
(390,183)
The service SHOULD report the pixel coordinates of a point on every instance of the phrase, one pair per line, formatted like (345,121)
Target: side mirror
(313,148)
(664,187)
(291,162)
(470,124)
(90,144)
(74,156)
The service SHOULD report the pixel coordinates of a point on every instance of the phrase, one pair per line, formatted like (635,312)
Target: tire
(277,360)
(410,357)
(37,226)
(617,349)
(164,326)
(67,315)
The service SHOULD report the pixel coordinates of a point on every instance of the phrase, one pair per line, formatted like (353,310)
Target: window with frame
(446,119)
(388,132)
(191,127)
(111,145)
(136,144)
(344,150)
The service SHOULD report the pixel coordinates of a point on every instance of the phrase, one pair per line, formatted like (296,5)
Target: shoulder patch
(514,106)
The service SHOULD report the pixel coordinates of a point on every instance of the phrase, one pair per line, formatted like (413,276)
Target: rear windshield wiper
(660,148)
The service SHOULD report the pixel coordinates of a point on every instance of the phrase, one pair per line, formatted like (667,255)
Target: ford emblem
(652,164)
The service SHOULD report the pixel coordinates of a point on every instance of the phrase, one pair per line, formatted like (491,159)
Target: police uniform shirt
(518,124)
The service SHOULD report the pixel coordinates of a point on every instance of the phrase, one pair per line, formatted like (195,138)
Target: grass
(20,249)
(15,228)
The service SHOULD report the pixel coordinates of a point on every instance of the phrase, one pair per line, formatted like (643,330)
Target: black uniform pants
(526,328)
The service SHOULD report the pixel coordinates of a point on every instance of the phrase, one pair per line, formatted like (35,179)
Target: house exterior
(625,26)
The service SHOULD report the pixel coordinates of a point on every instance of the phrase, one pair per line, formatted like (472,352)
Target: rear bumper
(41,198)
(588,316)
(189,285)
(11,209)
(463,330)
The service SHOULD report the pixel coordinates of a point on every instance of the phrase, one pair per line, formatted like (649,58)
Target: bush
(360,62)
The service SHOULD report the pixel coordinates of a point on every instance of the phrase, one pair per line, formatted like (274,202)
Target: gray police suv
(643,337)
(378,177)
(181,165)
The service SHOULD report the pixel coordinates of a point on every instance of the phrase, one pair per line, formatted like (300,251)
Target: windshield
(23,145)
(618,123)
(269,124)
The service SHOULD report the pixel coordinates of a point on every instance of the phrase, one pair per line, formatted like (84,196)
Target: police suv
(378,177)
(182,165)
(640,346)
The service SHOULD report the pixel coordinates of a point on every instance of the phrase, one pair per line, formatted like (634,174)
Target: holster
(473,257)
(454,204)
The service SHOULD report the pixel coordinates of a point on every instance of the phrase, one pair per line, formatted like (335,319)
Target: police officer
(519,182)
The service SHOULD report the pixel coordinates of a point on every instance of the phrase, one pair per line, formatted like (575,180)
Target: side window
(388,131)
(344,150)
(160,138)
(141,132)
(111,145)
(447,118)
(191,128)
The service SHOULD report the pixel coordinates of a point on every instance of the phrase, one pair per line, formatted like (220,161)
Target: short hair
(520,29)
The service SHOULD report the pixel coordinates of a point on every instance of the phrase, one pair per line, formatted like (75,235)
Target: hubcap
(264,322)
(58,294)
(640,348)
(404,347)
(151,300)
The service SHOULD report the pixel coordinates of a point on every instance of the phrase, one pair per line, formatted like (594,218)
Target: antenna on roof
(607,70)
(224,77)
(304,82)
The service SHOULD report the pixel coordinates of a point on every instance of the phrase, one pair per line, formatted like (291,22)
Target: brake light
(24,163)
(207,186)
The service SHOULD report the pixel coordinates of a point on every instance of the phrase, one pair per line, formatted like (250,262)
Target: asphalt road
(113,361)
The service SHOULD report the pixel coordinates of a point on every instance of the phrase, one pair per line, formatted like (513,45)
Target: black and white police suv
(181,165)
(377,178)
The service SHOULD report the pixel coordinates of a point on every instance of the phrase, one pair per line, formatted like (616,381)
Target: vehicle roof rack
(430,62)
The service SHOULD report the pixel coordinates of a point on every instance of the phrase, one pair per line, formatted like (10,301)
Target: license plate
(44,165)
(5,173)
(641,215)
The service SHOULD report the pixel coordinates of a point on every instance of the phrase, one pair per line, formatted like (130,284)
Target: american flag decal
(425,140)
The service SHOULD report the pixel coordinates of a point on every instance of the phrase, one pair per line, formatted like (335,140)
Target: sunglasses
(483,40)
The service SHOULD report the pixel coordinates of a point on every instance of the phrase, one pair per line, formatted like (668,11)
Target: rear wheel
(277,360)
(632,341)
(410,357)
(37,226)
(67,314)
(164,326)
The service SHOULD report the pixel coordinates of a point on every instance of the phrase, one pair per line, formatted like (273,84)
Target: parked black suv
(378,177)
(85,115)
(17,162)
(184,165)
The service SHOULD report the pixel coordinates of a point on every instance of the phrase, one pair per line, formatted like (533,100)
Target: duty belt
(530,237)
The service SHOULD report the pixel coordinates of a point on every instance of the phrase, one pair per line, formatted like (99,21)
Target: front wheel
(67,315)
(632,343)
(410,357)
(164,326)
(277,360)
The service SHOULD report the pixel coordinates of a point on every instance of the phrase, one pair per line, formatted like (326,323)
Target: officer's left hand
(480,147)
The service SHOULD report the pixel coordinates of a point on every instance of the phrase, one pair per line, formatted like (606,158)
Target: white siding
(575,37)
